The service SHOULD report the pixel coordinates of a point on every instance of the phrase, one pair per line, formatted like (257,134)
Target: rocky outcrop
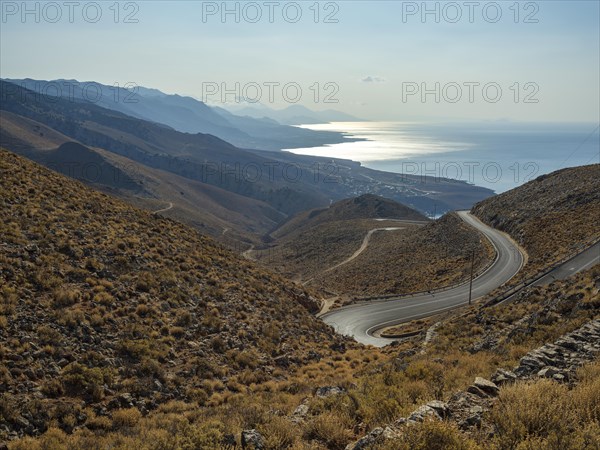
(429,336)
(560,359)
(557,361)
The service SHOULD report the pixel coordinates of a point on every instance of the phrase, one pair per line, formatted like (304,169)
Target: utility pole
(471,280)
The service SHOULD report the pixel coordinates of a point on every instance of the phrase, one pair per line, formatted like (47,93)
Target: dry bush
(546,415)
(126,417)
(278,433)
(331,429)
(64,296)
(531,409)
(430,435)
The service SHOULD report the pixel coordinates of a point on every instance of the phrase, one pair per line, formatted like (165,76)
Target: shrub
(142,310)
(331,429)
(53,388)
(49,335)
(177,332)
(93,265)
(126,417)
(430,435)
(184,319)
(8,300)
(218,344)
(538,409)
(65,297)
(279,434)
(71,318)
(152,367)
(54,439)
(104,298)
(198,395)
(99,423)
(78,379)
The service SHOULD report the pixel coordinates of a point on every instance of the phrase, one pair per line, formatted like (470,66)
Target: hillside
(120,329)
(551,216)
(292,115)
(199,157)
(370,245)
(417,258)
(367,206)
(207,207)
(108,305)
(312,241)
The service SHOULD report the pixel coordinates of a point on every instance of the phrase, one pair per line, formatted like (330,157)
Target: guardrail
(510,292)
(529,281)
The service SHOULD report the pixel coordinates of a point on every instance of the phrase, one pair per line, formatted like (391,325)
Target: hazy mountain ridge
(184,114)
(291,115)
(209,208)
(201,157)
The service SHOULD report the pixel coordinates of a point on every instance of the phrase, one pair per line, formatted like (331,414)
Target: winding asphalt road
(583,261)
(361,321)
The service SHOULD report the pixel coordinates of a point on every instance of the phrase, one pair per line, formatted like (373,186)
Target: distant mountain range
(251,129)
(292,115)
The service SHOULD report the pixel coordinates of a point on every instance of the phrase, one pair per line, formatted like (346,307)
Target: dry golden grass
(546,415)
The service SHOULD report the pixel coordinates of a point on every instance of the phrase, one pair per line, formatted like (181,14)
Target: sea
(498,155)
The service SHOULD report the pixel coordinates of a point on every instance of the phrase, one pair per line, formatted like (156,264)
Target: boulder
(252,440)
(328,391)
(473,418)
(441,408)
(367,441)
(476,391)
(548,372)
(300,413)
(503,376)
(422,412)
(486,386)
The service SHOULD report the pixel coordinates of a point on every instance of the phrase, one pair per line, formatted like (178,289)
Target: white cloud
(373,79)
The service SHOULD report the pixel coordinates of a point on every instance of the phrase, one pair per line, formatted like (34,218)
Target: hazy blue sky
(369,53)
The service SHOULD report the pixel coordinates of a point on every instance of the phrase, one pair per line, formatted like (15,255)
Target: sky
(376,60)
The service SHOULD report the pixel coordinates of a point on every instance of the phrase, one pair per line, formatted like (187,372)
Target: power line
(580,145)
(593,156)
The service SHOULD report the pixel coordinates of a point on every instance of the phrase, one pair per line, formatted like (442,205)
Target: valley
(194,170)
(121,327)
(349,225)
(157,293)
